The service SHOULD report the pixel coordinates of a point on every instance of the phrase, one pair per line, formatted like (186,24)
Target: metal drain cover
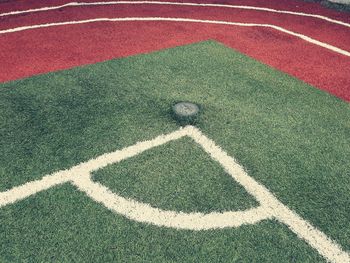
(185,112)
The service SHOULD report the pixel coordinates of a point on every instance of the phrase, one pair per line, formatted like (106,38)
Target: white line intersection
(270,207)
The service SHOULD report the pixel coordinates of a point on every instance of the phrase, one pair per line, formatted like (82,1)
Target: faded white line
(173,19)
(255,8)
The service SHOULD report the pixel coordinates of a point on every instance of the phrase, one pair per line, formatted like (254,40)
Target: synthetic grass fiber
(289,136)
(177,176)
(63,225)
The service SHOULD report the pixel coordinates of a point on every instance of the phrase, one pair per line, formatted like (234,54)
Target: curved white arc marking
(255,8)
(145,213)
(173,19)
(270,206)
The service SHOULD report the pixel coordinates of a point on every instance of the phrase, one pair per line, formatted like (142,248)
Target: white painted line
(119,155)
(303,229)
(264,9)
(328,248)
(145,213)
(270,206)
(173,19)
(33,187)
(20,192)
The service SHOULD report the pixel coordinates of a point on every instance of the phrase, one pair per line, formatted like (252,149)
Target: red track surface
(38,51)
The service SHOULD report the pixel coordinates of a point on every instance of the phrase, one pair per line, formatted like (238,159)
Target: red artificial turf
(38,51)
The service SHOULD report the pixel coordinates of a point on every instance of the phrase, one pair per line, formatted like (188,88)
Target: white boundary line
(20,192)
(147,214)
(173,19)
(74,4)
(270,206)
(303,229)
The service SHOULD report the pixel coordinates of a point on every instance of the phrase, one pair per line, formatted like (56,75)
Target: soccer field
(94,168)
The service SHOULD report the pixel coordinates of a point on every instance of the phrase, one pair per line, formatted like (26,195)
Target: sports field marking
(20,192)
(270,207)
(145,213)
(255,8)
(173,19)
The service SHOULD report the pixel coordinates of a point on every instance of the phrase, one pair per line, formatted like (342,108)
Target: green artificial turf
(176,176)
(63,225)
(289,136)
